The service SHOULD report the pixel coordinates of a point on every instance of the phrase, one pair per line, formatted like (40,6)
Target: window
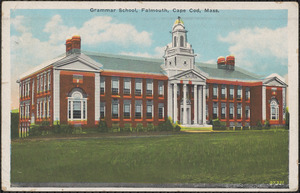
(247,112)
(215,91)
(207,91)
(149,87)
(77,78)
(102,85)
(215,110)
(127,86)
(231,110)
(274,110)
(138,87)
(239,111)
(181,41)
(77,107)
(178,90)
(49,80)
(160,88)
(223,92)
(247,94)
(231,92)
(206,111)
(45,82)
(126,109)
(41,109)
(239,93)
(223,110)
(37,110)
(160,110)
(32,93)
(115,86)
(42,83)
(149,110)
(138,109)
(115,109)
(102,110)
(38,84)
(175,43)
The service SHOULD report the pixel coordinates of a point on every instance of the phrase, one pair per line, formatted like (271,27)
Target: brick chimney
(230,62)
(221,62)
(73,45)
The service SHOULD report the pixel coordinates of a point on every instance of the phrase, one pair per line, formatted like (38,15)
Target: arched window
(274,110)
(181,41)
(77,106)
(175,43)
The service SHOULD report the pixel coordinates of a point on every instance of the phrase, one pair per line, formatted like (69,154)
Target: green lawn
(234,157)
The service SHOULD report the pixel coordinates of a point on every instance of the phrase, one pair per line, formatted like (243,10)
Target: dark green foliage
(139,127)
(102,126)
(14,125)
(127,127)
(218,125)
(35,130)
(67,129)
(115,127)
(267,125)
(165,126)
(177,128)
(150,127)
(259,126)
(287,118)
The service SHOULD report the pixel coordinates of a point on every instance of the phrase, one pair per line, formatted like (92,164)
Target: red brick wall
(107,98)
(66,86)
(255,105)
(277,95)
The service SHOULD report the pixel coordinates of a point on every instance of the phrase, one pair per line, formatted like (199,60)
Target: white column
(170,100)
(263,103)
(97,97)
(175,103)
(195,105)
(56,97)
(200,106)
(184,114)
(204,104)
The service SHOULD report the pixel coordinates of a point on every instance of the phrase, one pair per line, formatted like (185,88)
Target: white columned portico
(184,113)
(170,100)
(200,107)
(175,103)
(204,104)
(195,105)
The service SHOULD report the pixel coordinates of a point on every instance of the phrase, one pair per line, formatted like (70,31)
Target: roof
(112,62)
(127,63)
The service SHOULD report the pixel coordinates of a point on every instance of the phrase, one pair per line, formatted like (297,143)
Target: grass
(247,157)
(196,129)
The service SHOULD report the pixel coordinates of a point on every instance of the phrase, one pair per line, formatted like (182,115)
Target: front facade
(83,88)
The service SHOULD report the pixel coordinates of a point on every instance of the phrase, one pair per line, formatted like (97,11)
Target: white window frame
(274,108)
(215,90)
(49,80)
(77,96)
(127,80)
(149,84)
(104,104)
(141,108)
(140,82)
(161,88)
(129,110)
(102,83)
(231,89)
(117,82)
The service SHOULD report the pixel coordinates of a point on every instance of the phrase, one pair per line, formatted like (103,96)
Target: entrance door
(188,114)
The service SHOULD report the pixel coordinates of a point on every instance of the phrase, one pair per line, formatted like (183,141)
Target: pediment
(274,82)
(78,63)
(190,75)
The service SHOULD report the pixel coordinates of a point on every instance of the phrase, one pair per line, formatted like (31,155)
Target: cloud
(98,30)
(158,53)
(263,43)
(212,61)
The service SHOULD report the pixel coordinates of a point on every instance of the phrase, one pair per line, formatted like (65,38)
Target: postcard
(149,96)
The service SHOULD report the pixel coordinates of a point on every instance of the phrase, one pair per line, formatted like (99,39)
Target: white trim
(56,95)
(170,100)
(263,103)
(175,107)
(97,96)
(195,104)
(184,113)
(204,104)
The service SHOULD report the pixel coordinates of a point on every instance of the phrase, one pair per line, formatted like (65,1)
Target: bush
(267,125)
(150,127)
(287,118)
(102,126)
(35,130)
(127,127)
(67,129)
(259,126)
(139,127)
(14,125)
(218,125)
(115,127)
(177,128)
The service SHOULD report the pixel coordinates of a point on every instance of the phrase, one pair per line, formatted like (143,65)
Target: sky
(257,38)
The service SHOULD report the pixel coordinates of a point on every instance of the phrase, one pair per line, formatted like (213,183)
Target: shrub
(177,128)
(267,124)
(67,129)
(115,127)
(102,126)
(218,125)
(287,118)
(139,127)
(127,127)
(150,127)
(14,125)
(258,126)
(35,130)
